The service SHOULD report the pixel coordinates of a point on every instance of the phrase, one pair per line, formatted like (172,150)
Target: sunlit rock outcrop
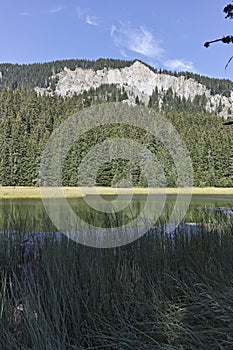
(139,80)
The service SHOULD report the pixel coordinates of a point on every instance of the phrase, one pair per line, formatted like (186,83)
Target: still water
(29,215)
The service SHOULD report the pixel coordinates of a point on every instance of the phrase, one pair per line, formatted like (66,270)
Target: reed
(160,292)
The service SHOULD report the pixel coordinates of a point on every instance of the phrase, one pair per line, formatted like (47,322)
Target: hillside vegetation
(27,120)
(42,74)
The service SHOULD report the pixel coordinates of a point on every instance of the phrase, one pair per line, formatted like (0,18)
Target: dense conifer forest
(28,119)
(42,74)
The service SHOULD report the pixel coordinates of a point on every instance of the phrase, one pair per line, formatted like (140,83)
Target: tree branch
(226,40)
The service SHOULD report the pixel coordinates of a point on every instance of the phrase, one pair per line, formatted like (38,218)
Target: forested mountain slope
(140,82)
(28,119)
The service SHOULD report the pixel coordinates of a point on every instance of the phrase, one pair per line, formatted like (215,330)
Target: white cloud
(80,12)
(179,65)
(113,28)
(56,10)
(42,12)
(25,13)
(124,54)
(83,14)
(139,40)
(91,21)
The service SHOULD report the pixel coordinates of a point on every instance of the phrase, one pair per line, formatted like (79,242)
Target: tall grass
(160,292)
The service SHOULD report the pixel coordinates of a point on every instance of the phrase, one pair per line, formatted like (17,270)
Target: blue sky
(166,34)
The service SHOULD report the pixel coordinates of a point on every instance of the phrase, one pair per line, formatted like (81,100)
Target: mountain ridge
(28,119)
(138,79)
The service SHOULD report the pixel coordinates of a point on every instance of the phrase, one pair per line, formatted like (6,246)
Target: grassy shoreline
(155,293)
(76,192)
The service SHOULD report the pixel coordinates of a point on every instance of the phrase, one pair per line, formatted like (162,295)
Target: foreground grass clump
(156,293)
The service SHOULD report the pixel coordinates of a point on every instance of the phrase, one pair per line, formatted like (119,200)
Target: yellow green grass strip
(75,192)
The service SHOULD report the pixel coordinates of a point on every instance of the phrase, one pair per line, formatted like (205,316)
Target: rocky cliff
(139,80)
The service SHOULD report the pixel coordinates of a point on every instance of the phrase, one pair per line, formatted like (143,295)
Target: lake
(29,215)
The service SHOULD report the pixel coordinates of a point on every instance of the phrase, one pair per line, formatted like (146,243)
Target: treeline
(27,120)
(216,86)
(170,101)
(42,74)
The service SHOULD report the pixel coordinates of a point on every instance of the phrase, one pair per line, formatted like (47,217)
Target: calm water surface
(29,215)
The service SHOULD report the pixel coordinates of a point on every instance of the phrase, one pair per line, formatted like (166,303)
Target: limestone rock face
(138,80)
